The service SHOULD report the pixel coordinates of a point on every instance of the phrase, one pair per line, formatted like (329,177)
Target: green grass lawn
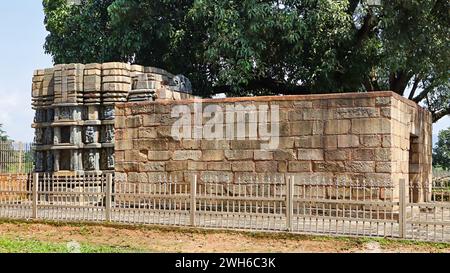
(19,245)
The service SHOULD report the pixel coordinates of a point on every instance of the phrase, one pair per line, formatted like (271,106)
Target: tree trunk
(398,82)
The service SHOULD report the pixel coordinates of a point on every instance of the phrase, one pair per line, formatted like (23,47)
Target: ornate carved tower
(74,103)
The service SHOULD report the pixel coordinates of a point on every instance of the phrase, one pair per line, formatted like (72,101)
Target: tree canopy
(263,47)
(3,136)
(441,153)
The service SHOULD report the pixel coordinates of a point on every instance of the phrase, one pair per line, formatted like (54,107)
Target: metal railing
(271,203)
(16,157)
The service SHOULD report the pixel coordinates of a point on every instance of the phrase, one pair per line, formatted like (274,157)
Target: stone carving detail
(50,115)
(77,114)
(75,110)
(57,160)
(109,112)
(56,137)
(39,116)
(39,136)
(142,82)
(109,134)
(90,135)
(182,84)
(110,159)
(143,89)
(48,136)
(77,162)
(84,114)
(75,136)
(49,162)
(90,160)
(39,161)
(65,113)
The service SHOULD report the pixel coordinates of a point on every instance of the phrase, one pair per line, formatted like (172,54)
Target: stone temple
(116,117)
(75,111)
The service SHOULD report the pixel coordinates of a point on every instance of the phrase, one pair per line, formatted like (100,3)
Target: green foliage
(256,45)
(3,136)
(259,47)
(18,245)
(441,154)
(79,34)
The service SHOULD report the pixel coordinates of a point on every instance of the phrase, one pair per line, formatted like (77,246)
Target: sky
(22,35)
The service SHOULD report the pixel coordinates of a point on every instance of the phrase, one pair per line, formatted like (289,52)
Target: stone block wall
(358,136)
(411,146)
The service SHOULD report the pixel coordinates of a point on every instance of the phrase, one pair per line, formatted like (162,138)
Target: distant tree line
(3,136)
(441,153)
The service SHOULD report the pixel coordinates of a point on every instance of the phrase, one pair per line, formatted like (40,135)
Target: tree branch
(370,22)
(440,114)
(368,85)
(352,6)
(414,88)
(398,81)
(422,95)
(371,84)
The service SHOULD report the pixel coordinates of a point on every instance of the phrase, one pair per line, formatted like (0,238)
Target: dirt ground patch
(155,239)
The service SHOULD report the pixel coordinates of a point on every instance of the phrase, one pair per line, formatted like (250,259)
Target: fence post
(193,205)
(35,186)
(20,156)
(108,196)
(402,208)
(289,202)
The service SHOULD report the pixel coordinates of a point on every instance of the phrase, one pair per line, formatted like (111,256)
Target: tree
(441,154)
(79,33)
(3,136)
(263,47)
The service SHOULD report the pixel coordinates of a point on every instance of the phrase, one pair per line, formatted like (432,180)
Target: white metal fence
(439,174)
(429,220)
(16,157)
(276,203)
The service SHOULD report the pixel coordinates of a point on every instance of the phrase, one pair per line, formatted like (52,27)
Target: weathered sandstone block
(347,141)
(371,126)
(337,127)
(299,166)
(187,155)
(310,154)
(213,155)
(243,166)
